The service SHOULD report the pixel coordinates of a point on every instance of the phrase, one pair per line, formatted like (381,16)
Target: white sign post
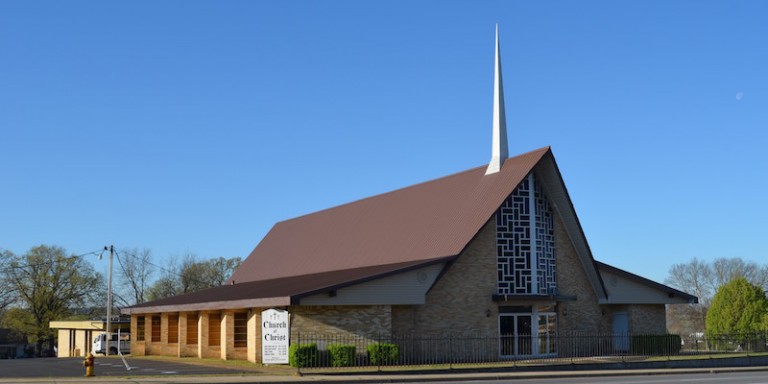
(275,334)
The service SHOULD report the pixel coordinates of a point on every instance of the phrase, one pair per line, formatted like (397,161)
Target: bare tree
(703,279)
(726,269)
(761,279)
(686,319)
(694,277)
(136,270)
(167,284)
(7,296)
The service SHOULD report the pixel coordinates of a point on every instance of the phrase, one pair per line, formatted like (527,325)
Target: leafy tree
(50,286)
(703,279)
(193,275)
(738,307)
(20,322)
(219,270)
(164,287)
(765,322)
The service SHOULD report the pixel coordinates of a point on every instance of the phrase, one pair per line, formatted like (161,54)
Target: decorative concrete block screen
(525,242)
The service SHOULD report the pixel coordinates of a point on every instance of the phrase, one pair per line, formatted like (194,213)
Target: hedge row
(341,355)
(656,345)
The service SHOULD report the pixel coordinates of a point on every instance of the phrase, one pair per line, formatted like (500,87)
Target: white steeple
(499,152)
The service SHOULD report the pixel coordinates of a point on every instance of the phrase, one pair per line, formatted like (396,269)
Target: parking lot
(113,366)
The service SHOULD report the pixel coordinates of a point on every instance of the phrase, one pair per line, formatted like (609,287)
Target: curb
(383,378)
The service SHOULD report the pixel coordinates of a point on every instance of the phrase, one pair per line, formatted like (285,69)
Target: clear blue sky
(188,126)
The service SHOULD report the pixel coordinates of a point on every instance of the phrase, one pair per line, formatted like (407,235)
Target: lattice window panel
(513,243)
(545,244)
(515,259)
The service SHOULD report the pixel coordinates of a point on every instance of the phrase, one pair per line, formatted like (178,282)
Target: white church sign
(275,332)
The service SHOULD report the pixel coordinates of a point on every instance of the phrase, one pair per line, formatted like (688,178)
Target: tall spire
(499,152)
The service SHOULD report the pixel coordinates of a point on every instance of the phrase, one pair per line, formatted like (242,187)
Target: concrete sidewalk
(374,378)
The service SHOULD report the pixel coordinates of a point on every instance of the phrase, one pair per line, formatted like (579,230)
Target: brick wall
(649,319)
(137,347)
(372,321)
(582,315)
(460,302)
(253,351)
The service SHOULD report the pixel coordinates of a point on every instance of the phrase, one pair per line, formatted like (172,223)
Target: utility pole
(109,300)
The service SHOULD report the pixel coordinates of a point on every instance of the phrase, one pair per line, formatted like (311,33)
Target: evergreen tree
(738,308)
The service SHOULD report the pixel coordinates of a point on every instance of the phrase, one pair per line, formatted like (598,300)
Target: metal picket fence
(324,351)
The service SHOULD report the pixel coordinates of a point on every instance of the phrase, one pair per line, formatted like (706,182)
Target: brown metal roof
(422,222)
(366,239)
(281,291)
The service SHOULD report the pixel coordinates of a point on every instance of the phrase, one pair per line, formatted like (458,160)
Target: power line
(171,272)
(12,267)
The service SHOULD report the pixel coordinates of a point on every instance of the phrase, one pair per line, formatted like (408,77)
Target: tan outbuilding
(75,338)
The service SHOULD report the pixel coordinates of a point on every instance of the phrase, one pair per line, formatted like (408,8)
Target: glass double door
(516,331)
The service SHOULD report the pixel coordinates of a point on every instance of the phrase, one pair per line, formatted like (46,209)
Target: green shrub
(383,353)
(737,310)
(303,355)
(655,345)
(342,355)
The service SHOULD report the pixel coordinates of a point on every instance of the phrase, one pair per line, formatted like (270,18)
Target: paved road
(112,371)
(706,378)
(73,367)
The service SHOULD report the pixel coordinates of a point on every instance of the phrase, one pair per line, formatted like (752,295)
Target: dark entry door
(515,334)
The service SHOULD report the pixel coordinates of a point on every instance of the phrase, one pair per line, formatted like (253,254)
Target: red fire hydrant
(88,364)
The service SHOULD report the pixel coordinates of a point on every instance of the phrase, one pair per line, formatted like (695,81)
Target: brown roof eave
(210,306)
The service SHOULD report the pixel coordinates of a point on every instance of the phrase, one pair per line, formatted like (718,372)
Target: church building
(495,250)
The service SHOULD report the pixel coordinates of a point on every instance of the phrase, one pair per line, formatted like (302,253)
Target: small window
(173,329)
(140,328)
(155,329)
(192,328)
(214,329)
(241,330)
